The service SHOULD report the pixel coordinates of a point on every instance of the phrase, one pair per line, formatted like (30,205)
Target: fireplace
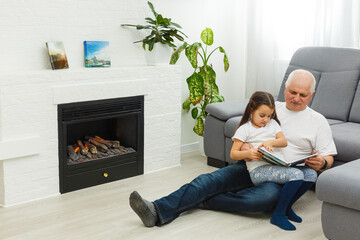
(29,118)
(117,124)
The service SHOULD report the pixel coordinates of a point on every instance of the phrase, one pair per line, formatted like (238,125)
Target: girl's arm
(280,141)
(237,154)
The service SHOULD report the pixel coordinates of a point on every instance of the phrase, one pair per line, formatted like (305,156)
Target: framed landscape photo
(57,55)
(97,54)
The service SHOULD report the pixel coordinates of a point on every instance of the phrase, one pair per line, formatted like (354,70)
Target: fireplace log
(99,140)
(91,147)
(72,154)
(83,149)
(113,144)
(100,146)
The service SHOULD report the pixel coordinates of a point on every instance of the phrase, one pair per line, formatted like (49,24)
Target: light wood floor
(103,212)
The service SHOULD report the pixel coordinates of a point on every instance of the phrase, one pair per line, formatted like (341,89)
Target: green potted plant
(202,83)
(162,30)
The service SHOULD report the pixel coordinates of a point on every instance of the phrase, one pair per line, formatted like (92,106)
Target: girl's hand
(253,154)
(267,145)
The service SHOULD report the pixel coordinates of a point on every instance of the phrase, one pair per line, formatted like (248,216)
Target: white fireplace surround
(29,128)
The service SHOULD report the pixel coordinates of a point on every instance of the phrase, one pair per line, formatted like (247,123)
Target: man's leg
(259,198)
(231,178)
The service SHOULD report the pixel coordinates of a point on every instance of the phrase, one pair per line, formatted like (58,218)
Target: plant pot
(201,146)
(160,55)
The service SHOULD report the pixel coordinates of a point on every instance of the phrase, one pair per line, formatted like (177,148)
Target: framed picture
(57,55)
(97,54)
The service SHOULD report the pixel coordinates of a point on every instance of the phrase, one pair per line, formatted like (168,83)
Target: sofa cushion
(334,121)
(231,125)
(327,59)
(346,138)
(226,110)
(335,93)
(340,185)
(355,108)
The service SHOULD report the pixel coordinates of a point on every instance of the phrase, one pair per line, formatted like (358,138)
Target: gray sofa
(337,97)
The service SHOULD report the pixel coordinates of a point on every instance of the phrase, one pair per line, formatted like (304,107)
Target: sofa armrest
(340,186)
(226,110)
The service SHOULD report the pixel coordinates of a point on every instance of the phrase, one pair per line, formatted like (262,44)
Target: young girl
(260,127)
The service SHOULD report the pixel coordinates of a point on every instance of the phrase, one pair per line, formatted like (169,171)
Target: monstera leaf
(196,88)
(207,36)
(225,60)
(194,113)
(186,104)
(209,77)
(217,98)
(176,54)
(191,52)
(199,127)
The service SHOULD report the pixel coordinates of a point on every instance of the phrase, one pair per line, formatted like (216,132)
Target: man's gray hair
(302,71)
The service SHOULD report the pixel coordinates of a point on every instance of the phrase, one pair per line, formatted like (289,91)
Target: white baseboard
(190,147)
(29,201)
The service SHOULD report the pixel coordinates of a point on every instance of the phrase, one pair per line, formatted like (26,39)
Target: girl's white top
(255,136)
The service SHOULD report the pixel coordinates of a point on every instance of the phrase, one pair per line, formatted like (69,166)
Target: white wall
(26,26)
(228,21)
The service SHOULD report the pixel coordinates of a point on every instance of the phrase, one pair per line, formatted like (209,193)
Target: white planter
(201,146)
(160,55)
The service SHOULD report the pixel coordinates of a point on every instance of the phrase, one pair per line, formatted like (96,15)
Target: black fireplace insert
(100,141)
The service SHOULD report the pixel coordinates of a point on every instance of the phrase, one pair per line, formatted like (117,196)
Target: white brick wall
(28,105)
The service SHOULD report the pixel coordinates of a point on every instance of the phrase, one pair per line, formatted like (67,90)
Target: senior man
(230,189)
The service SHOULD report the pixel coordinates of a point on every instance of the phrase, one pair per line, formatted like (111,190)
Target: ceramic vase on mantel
(160,55)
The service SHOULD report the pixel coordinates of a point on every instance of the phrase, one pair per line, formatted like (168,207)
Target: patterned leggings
(281,175)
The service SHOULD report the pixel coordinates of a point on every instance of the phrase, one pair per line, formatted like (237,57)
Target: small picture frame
(57,55)
(97,54)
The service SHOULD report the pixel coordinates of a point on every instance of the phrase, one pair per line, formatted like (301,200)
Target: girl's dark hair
(257,99)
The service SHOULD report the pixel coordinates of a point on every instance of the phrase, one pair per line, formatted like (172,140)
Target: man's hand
(316,162)
(253,153)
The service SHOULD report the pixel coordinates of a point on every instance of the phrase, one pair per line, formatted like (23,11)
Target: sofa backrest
(355,108)
(337,72)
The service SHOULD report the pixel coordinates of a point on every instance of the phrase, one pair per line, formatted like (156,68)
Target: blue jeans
(227,189)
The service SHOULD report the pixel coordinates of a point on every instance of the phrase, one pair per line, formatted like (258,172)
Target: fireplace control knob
(105,175)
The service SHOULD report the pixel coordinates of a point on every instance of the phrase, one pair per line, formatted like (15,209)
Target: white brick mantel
(28,121)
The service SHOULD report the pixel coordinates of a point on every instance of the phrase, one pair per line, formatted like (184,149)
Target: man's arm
(239,153)
(247,146)
(324,144)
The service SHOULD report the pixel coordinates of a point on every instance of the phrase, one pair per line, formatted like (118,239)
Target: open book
(273,159)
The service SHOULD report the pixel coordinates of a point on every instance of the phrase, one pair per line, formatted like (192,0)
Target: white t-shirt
(255,136)
(305,131)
